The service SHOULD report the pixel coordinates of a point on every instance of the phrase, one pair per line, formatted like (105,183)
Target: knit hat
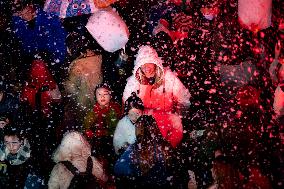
(133,102)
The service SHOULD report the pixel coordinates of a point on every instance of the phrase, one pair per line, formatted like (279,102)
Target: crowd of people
(194,100)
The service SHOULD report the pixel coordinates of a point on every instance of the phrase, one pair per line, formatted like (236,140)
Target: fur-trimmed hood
(147,54)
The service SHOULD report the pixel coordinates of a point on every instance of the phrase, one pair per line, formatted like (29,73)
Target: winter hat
(133,102)
(146,54)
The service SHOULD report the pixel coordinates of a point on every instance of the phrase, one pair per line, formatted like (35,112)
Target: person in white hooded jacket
(162,93)
(124,134)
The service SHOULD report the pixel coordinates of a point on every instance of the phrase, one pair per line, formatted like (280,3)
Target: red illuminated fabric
(103,114)
(248,96)
(40,78)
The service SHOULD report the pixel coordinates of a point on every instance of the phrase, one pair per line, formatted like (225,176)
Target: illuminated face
(149,69)
(103,97)
(13,143)
(28,13)
(134,114)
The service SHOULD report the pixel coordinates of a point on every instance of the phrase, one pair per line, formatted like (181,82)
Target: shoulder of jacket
(123,120)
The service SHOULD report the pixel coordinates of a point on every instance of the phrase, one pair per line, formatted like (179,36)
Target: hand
(277,49)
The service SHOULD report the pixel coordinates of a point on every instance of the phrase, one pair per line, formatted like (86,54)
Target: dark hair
(13,130)
(103,85)
(133,102)
(150,144)
(150,128)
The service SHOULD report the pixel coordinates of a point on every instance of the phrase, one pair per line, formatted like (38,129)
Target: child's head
(73,146)
(103,95)
(13,139)
(133,107)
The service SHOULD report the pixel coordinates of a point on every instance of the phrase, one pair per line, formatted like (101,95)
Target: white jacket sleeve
(122,135)
(181,94)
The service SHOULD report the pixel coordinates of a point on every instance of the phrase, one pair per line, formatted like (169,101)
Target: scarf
(22,155)
(105,116)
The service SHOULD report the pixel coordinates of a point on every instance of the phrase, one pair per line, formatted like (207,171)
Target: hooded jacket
(124,134)
(166,96)
(75,149)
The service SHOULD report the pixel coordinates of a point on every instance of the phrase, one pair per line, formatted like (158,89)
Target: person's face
(13,143)
(28,13)
(149,69)
(103,97)
(134,114)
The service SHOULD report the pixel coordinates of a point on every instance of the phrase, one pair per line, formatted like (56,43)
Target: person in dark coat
(38,31)
(147,161)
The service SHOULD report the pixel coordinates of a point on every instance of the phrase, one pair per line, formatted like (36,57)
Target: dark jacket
(46,35)
(156,177)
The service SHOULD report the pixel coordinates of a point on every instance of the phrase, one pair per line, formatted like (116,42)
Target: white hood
(147,54)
